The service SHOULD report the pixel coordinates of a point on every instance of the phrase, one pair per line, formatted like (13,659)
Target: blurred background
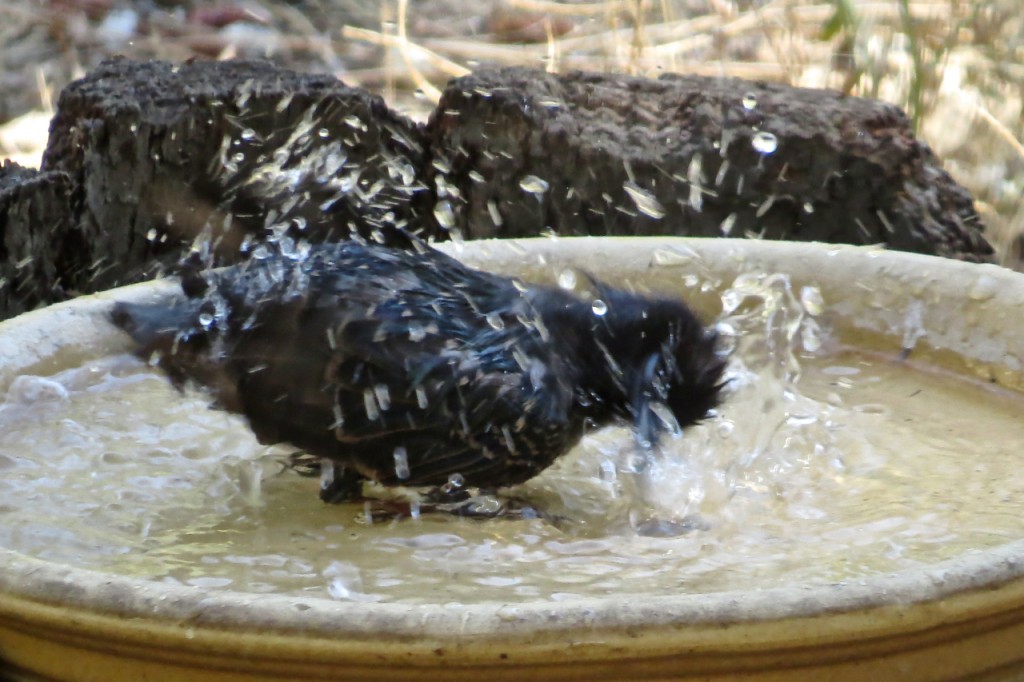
(956,67)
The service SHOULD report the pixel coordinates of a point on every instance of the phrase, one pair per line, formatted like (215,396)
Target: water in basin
(827,463)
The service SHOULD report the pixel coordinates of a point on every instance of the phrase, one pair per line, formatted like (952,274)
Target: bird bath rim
(975,590)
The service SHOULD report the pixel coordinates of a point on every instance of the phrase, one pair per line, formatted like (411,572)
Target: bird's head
(655,361)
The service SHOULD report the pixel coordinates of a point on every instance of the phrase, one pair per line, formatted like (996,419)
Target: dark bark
(219,155)
(690,155)
(37,238)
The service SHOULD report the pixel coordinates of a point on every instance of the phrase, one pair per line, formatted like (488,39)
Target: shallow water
(826,464)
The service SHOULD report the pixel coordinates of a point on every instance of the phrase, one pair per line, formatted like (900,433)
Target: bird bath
(930,604)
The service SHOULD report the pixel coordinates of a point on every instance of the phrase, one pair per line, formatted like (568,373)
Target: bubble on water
(205,319)
(247,134)
(401,463)
(567,279)
(485,505)
(533,185)
(27,389)
(749,101)
(599,307)
(645,201)
(764,142)
(725,428)
(345,582)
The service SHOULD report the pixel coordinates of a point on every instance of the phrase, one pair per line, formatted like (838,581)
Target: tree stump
(606,154)
(38,242)
(217,156)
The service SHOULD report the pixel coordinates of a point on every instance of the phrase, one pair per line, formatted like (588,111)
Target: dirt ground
(957,67)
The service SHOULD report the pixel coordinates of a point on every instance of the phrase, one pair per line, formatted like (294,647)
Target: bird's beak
(644,392)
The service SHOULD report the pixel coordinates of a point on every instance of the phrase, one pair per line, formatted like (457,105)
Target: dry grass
(957,67)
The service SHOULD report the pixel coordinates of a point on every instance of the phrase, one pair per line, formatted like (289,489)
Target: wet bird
(407,367)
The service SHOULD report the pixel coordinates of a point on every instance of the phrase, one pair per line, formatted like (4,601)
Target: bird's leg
(339,483)
(482,503)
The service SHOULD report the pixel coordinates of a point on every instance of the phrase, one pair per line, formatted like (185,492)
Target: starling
(404,366)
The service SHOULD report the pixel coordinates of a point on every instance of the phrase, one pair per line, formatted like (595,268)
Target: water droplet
(645,202)
(749,101)
(764,143)
(444,215)
(567,279)
(421,397)
(323,133)
(247,134)
(494,319)
(151,235)
(811,300)
(238,157)
(205,320)
(355,122)
(383,396)
(370,405)
(456,481)
(401,463)
(727,224)
(599,307)
(533,184)
(808,207)
(725,428)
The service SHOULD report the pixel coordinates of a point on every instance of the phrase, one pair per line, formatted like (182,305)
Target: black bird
(407,367)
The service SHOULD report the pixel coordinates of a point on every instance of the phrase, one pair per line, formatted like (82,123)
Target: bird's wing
(458,393)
